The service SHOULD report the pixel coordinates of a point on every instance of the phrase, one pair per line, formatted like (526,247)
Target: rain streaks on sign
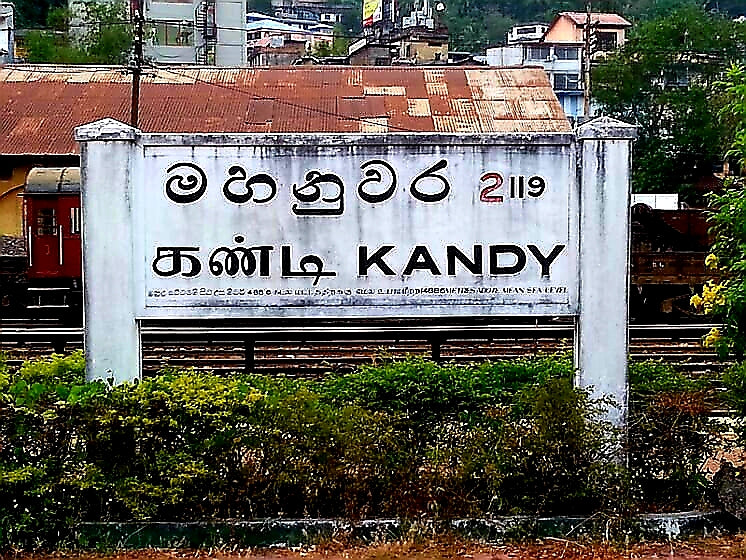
(360,229)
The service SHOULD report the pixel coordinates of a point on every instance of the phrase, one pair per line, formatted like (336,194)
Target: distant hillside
(476,24)
(473,24)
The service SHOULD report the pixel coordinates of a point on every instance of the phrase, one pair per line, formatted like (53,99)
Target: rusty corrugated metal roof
(579,18)
(40,105)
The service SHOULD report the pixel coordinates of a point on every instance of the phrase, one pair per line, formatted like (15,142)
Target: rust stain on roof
(579,18)
(40,105)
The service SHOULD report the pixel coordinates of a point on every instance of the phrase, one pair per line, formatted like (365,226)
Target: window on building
(46,222)
(566,53)
(172,33)
(381,61)
(606,41)
(537,53)
(566,82)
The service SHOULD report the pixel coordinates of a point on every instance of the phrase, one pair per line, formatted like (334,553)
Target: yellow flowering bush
(725,296)
(712,298)
(711,261)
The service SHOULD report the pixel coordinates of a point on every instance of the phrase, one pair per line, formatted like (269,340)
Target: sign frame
(112,171)
(149,204)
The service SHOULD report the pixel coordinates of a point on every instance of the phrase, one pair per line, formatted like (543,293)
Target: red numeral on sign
(495,181)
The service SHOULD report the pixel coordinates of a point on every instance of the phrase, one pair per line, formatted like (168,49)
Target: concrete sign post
(353,226)
(601,343)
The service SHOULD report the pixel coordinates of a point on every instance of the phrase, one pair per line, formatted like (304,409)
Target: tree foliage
(663,80)
(338,47)
(33,13)
(726,296)
(103,37)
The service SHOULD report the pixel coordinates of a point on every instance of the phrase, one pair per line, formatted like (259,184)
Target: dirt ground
(702,549)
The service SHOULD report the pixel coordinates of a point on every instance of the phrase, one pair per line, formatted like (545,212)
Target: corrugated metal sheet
(579,18)
(40,105)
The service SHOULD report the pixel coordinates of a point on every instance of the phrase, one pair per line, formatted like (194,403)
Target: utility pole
(136,63)
(587,61)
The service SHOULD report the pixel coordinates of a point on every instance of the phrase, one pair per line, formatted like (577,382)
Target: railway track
(310,351)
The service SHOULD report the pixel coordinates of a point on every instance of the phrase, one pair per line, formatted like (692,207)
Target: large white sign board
(395,225)
(358,230)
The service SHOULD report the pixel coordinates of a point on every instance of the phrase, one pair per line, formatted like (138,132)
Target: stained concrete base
(274,532)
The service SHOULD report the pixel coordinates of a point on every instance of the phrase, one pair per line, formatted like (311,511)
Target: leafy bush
(735,383)
(427,391)
(404,438)
(670,435)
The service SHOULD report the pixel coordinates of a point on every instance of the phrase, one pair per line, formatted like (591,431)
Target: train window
(46,222)
(74,221)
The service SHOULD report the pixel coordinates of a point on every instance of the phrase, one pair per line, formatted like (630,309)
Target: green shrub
(405,438)
(426,391)
(670,433)
(735,395)
(650,376)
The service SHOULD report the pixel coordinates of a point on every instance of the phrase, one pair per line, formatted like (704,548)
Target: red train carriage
(52,228)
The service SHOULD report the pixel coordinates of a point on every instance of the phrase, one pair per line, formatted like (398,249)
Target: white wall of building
(7,31)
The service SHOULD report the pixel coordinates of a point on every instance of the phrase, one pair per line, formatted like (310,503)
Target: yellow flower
(712,337)
(696,301)
(711,261)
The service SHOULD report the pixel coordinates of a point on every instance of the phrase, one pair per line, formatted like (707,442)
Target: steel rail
(330,332)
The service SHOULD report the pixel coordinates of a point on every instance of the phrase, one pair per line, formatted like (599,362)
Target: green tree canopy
(104,37)
(33,13)
(663,81)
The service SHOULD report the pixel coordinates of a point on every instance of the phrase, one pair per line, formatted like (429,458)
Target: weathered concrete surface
(601,343)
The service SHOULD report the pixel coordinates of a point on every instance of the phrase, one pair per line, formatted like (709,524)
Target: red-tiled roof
(579,18)
(40,105)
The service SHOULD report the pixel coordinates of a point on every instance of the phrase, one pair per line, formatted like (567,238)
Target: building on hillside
(307,21)
(273,43)
(40,107)
(7,33)
(420,39)
(526,32)
(208,32)
(319,10)
(560,52)
(407,46)
(610,30)
(561,61)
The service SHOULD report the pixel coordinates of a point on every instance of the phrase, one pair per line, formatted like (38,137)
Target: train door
(69,231)
(44,238)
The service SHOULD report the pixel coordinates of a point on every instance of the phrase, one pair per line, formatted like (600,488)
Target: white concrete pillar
(108,162)
(601,340)
(230,17)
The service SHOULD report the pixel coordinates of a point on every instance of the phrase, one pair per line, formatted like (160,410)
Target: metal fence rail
(314,349)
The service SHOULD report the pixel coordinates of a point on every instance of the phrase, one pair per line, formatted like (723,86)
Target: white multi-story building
(528,32)
(208,32)
(559,50)
(561,61)
(7,30)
